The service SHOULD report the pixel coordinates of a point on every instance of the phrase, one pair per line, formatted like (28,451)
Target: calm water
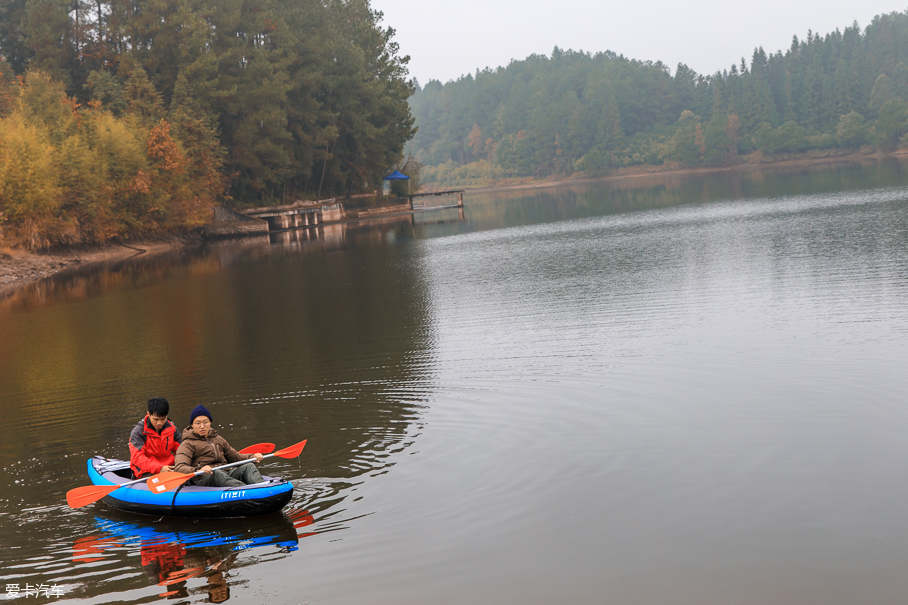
(686,391)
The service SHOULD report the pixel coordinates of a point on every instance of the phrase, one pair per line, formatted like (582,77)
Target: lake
(687,390)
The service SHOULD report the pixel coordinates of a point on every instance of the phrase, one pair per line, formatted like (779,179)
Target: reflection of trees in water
(336,349)
(588,199)
(143,270)
(307,337)
(97,278)
(140,271)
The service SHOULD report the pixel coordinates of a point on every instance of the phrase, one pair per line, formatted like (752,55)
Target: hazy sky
(448,39)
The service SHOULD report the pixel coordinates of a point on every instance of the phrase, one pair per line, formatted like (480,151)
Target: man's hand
(166,468)
(258,457)
(206,469)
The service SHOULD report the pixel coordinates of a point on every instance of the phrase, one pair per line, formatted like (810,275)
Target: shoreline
(19,268)
(660,171)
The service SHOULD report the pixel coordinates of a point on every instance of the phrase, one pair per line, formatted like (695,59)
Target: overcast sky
(448,39)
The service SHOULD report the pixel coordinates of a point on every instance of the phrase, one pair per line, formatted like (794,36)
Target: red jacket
(150,450)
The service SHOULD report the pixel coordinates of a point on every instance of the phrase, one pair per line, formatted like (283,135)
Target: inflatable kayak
(188,500)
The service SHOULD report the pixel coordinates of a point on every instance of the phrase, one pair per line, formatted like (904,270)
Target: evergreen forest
(601,113)
(123,118)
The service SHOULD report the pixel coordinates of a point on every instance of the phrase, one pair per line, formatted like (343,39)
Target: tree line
(122,117)
(577,111)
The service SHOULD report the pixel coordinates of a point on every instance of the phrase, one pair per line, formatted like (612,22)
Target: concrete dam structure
(298,214)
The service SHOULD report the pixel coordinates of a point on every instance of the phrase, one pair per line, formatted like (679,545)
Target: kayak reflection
(172,565)
(172,551)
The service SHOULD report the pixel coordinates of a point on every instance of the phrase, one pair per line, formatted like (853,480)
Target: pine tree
(47,35)
(142,99)
(14,47)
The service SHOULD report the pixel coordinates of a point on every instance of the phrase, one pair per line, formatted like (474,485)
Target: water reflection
(208,258)
(170,553)
(327,234)
(587,199)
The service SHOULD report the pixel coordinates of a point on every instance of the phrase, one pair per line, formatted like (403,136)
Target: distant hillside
(577,111)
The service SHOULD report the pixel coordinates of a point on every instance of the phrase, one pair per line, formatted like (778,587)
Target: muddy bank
(18,268)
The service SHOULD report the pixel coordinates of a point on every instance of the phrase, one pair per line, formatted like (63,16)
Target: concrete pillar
(460,199)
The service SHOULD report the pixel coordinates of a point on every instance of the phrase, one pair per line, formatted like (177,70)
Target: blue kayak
(188,500)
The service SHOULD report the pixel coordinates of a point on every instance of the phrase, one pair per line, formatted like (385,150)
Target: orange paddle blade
(181,576)
(163,482)
(293,451)
(86,495)
(258,448)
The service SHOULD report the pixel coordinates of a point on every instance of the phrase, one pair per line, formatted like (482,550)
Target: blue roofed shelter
(397,176)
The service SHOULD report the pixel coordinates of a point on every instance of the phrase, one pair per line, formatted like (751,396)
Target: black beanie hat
(199,410)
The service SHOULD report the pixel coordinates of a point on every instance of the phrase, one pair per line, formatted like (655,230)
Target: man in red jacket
(153,441)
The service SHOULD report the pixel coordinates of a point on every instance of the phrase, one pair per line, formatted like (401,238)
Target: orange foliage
(490,148)
(164,151)
(475,140)
(71,173)
(700,139)
(142,183)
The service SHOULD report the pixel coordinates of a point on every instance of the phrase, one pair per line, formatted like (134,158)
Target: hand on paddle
(163,482)
(81,496)
(207,468)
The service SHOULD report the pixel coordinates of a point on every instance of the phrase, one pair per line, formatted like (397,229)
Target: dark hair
(158,406)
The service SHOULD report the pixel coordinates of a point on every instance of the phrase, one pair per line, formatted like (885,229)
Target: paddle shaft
(226,465)
(287,452)
(237,463)
(234,464)
(119,485)
(169,480)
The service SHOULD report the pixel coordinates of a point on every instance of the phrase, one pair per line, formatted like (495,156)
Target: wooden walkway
(458,192)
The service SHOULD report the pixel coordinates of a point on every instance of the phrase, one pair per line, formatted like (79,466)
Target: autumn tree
(476,142)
